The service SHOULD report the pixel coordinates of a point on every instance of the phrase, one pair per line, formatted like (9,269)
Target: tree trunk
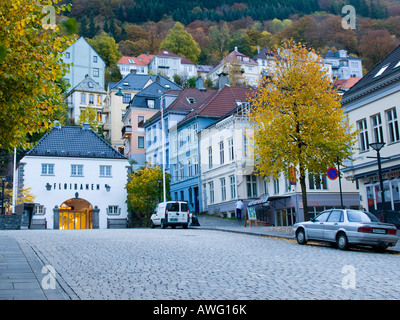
(303,191)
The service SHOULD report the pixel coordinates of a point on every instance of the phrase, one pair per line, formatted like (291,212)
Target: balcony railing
(126,131)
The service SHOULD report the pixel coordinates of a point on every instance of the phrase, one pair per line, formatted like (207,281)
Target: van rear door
(184,212)
(175,213)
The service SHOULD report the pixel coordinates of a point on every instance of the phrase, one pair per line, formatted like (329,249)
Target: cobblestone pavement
(205,264)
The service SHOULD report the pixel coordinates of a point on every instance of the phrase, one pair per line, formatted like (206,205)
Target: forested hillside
(139,26)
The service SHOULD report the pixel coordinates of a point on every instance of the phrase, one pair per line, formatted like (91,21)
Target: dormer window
(382,70)
(397,65)
(191,100)
(126,83)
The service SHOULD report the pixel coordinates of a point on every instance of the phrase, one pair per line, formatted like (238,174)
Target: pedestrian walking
(239,208)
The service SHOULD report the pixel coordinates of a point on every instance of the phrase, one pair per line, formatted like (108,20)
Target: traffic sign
(332,173)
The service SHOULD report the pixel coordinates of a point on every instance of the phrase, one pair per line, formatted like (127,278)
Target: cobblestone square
(198,264)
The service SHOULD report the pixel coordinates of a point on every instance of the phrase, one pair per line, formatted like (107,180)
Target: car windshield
(173,206)
(359,216)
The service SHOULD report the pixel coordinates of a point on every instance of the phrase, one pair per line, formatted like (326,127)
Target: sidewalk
(233,225)
(21,274)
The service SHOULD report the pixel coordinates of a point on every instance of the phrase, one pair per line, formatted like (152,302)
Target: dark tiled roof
(263,54)
(74,142)
(390,61)
(152,91)
(136,82)
(219,104)
(88,85)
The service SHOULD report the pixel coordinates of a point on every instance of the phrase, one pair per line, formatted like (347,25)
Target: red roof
(183,102)
(166,53)
(351,82)
(346,84)
(186,61)
(131,60)
(145,58)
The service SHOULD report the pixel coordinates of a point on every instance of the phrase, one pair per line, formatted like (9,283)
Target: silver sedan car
(347,227)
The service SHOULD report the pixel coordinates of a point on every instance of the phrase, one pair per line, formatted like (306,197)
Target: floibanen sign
(74,186)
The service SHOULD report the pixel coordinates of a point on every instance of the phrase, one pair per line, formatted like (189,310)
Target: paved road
(205,264)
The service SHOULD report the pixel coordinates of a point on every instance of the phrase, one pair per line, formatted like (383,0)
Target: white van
(170,213)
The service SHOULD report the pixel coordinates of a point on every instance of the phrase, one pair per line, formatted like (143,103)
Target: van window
(184,207)
(173,206)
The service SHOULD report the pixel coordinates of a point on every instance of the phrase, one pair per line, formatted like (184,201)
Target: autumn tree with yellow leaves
(145,192)
(30,69)
(299,125)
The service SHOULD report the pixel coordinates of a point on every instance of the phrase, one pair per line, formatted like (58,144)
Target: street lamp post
(377,146)
(159,181)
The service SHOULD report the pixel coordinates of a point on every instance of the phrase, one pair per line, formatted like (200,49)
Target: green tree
(89,115)
(144,192)
(299,126)
(106,47)
(30,71)
(180,42)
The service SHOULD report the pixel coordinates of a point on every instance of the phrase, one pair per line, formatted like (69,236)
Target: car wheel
(342,242)
(152,224)
(301,237)
(185,226)
(163,225)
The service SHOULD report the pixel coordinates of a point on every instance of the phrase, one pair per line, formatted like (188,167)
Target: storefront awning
(385,173)
(272,198)
(258,201)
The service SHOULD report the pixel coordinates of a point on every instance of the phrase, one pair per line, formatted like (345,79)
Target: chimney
(86,126)
(223,79)
(158,79)
(236,49)
(258,49)
(199,83)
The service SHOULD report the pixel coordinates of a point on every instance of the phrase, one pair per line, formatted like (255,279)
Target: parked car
(347,227)
(170,213)
(388,216)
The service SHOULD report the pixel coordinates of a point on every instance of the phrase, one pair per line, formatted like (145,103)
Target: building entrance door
(76,214)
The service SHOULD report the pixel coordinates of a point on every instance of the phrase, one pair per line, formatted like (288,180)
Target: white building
(240,69)
(168,64)
(227,164)
(78,181)
(86,94)
(343,65)
(372,106)
(128,64)
(83,60)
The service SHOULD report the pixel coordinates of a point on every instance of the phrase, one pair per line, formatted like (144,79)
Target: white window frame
(231,149)
(105,171)
(47,169)
(211,191)
(113,210)
(223,189)
(392,125)
(377,128)
(363,135)
(76,170)
(232,182)
(221,152)
(210,164)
